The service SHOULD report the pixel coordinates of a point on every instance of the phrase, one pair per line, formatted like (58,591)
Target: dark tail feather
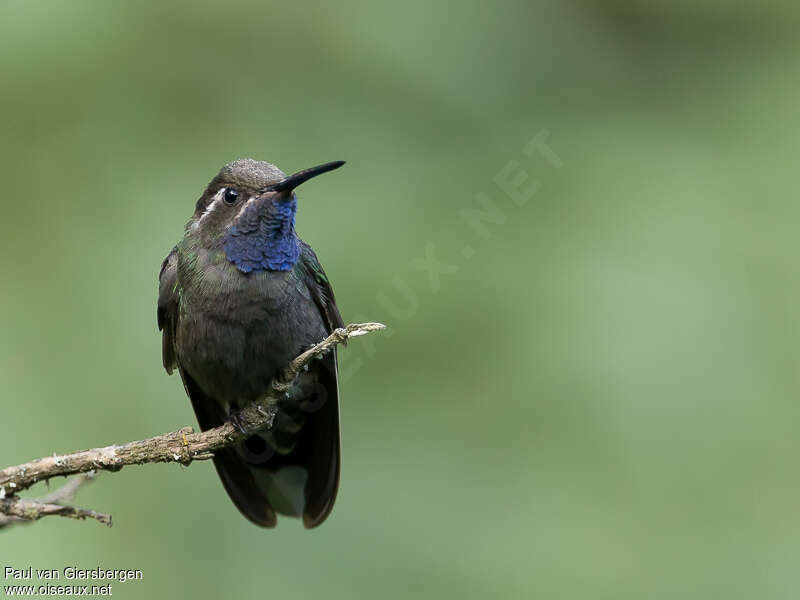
(237,477)
(315,453)
(239,481)
(261,482)
(322,429)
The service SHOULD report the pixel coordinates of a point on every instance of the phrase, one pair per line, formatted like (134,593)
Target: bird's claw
(238,424)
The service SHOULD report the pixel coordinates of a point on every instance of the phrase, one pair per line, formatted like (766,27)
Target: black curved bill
(292,181)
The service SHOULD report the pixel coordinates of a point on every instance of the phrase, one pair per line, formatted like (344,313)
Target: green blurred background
(600,402)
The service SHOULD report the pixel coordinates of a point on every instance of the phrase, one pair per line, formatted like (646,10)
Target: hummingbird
(239,297)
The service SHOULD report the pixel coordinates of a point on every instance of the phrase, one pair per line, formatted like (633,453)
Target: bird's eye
(230,196)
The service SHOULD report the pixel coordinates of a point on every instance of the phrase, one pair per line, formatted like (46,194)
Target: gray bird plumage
(239,297)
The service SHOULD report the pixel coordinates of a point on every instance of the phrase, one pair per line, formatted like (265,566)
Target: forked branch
(183,446)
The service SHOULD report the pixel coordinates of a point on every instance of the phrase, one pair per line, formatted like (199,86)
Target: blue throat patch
(263,238)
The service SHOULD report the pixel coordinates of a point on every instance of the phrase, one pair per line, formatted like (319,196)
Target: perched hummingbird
(239,297)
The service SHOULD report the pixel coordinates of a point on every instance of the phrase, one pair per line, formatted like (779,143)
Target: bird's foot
(238,424)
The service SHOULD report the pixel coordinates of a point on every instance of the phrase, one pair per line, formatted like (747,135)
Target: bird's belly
(233,356)
(232,362)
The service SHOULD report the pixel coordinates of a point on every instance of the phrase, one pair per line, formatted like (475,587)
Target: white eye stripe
(212,205)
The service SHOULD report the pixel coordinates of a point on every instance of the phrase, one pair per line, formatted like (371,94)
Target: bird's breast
(235,331)
(215,285)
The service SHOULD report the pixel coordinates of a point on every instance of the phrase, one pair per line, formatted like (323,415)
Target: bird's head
(248,210)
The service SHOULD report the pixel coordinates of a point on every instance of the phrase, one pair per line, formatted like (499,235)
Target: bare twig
(35,509)
(183,446)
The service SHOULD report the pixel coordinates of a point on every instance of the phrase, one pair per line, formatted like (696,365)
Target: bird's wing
(320,287)
(323,457)
(168,308)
